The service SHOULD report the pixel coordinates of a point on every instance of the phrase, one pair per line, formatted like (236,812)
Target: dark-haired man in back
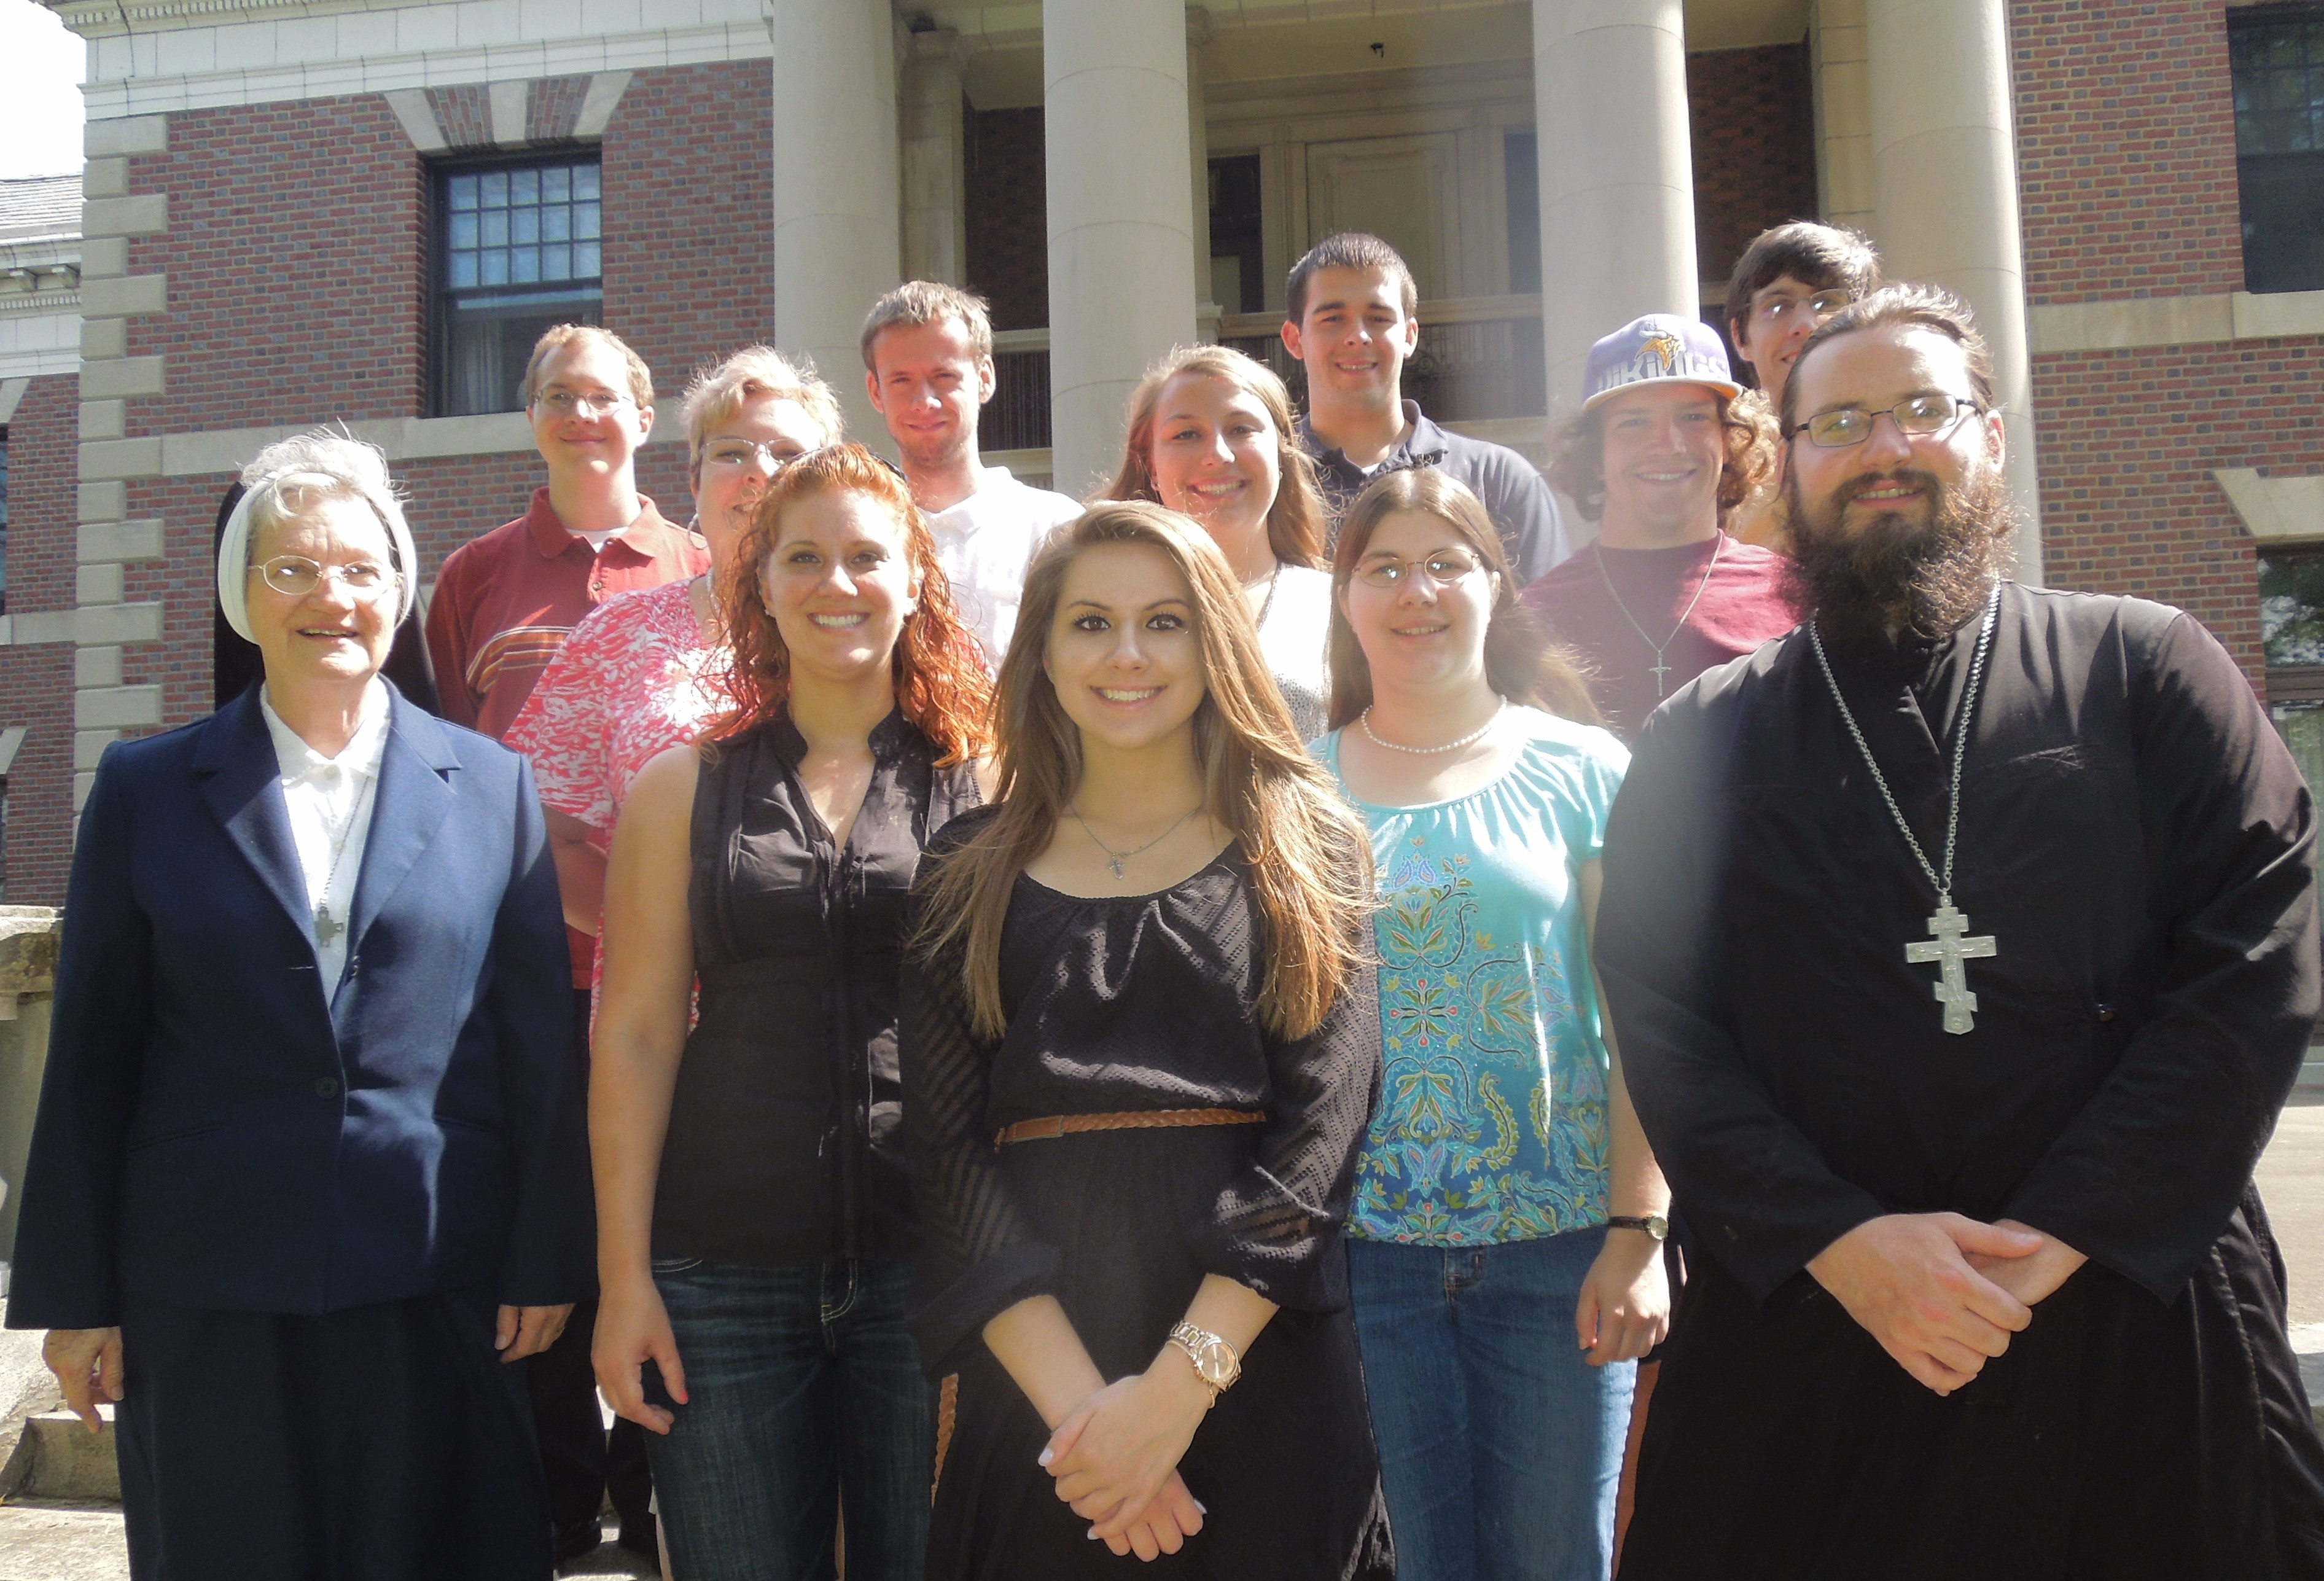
(1789,281)
(1350,316)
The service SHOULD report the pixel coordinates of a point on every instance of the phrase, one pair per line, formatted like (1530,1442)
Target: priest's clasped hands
(1943,1293)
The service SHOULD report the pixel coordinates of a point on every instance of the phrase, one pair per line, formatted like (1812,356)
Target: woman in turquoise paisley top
(1501,1317)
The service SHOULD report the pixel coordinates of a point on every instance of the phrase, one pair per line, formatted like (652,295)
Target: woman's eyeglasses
(294,576)
(1444,567)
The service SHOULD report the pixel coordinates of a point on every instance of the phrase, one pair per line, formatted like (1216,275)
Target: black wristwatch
(1654,1223)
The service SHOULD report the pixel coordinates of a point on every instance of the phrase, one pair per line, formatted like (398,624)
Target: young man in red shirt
(503,605)
(1660,454)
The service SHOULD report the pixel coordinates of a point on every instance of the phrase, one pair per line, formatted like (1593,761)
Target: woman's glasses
(1444,567)
(294,576)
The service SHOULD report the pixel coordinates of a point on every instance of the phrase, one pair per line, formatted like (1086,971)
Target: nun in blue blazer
(311,1165)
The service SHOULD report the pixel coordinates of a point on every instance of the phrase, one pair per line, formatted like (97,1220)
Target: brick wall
(42,474)
(1007,201)
(689,234)
(2127,172)
(294,255)
(36,683)
(2128,439)
(1751,115)
(2126,149)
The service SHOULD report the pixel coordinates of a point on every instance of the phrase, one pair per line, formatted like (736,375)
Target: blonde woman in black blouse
(1140,1050)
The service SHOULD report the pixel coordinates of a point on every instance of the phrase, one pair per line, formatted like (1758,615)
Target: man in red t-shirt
(503,607)
(1658,456)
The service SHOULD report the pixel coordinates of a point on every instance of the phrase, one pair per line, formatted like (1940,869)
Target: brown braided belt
(1050,1127)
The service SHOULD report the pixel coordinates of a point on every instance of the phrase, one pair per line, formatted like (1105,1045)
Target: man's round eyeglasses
(1918,418)
(1444,567)
(294,576)
(567,402)
(1820,307)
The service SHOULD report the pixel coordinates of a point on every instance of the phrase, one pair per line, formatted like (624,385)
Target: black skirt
(384,1443)
(1284,1461)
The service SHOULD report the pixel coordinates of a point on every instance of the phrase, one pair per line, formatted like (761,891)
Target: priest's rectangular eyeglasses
(1918,418)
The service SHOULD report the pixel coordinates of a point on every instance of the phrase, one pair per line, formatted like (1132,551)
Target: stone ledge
(116,708)
(126,295)
(28,949)
(2129,322)
(120,540)
(121,377)
(102,460)
(2274,509)
(144,215)
(59,1458)
(103,583)
(404,438)
(126,135)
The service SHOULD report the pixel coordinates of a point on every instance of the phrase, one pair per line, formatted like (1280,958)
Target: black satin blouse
(785,1139)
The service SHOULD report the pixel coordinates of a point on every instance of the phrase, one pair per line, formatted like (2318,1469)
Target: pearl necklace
(1474,737)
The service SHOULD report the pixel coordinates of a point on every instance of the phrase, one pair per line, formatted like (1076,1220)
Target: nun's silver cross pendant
(327,926)
(1949,950)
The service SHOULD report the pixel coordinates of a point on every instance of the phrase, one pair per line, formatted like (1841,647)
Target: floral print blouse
(1493,1123)
(633,679)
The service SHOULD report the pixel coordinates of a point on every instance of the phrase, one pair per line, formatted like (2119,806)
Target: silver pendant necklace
(328,926)
(1659,669)
(1948,946)
(1477,735)
(1114,859)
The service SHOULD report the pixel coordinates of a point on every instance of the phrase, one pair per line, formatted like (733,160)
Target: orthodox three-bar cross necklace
(1948,946)
(1661,667)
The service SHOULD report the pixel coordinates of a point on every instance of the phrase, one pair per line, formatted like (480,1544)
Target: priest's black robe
(2141,847)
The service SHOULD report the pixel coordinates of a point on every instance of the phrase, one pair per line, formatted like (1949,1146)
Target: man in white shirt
(928,356)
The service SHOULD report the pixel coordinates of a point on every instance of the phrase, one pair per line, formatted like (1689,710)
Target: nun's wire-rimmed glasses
(294,576)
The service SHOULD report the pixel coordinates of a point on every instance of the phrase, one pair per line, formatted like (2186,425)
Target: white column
(1198,169)
(836,238)
(1617,175)
(1944,183)
(1843,112)
(1120,203)
(935,204)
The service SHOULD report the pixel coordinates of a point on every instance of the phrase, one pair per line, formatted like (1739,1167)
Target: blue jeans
(1500,1449)
(805,1393)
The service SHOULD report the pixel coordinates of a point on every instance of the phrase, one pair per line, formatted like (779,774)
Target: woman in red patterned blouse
(645,671)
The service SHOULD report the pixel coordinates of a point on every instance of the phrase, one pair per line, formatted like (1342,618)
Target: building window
(2291,634)
(2277,55)
(517,250)
(1521,170)
(1238,282)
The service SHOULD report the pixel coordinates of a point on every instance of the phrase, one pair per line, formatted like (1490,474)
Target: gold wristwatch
(1215,1362)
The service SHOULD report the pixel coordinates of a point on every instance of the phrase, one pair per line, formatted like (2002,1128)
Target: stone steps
(59,1458)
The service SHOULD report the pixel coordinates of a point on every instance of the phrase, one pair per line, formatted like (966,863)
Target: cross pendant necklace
(328,925)
(1948,945)
(1660,670)
(1114,859)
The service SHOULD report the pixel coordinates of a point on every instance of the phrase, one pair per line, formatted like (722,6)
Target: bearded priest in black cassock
(1961,1095)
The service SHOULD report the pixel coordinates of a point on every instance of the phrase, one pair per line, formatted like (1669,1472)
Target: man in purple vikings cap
(1659,456)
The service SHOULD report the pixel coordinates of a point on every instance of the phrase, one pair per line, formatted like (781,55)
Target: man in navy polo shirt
(1349,316)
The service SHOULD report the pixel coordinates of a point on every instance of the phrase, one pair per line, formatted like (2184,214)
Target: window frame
(2255,171)
(442,294)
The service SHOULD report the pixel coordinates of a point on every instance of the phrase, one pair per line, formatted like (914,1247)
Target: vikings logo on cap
(1661,349)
